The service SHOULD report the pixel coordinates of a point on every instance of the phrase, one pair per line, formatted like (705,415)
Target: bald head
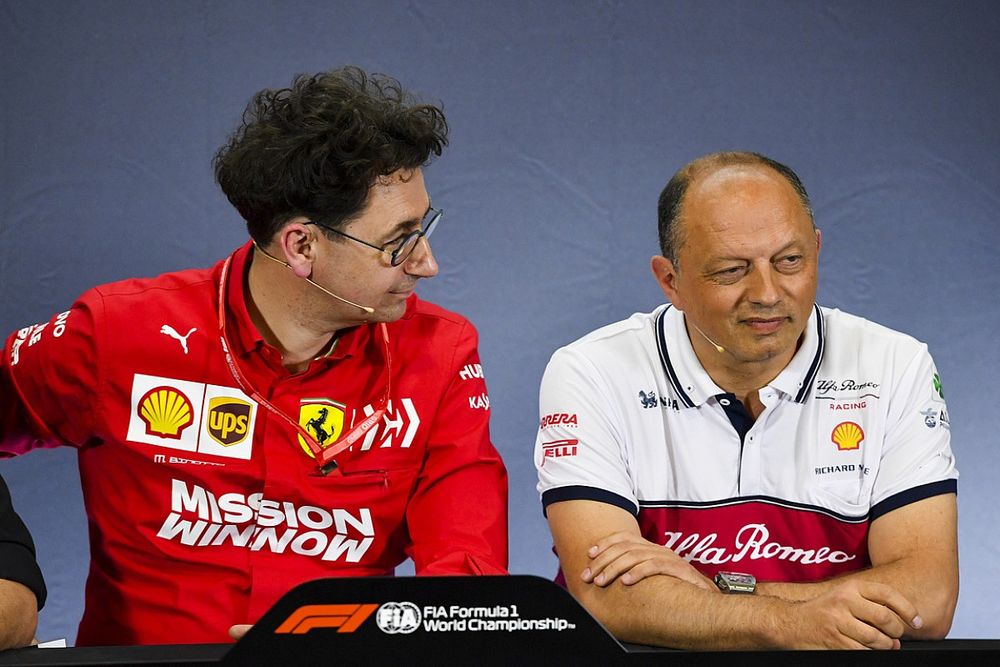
(670,210)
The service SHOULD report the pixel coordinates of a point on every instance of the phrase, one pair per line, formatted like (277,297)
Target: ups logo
(228,419)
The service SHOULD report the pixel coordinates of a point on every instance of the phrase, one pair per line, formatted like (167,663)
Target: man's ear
(665,273)
(296,245)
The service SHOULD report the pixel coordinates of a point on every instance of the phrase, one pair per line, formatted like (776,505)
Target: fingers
(631,558)
(880,617)
(894,600)
(860,614)
(656,566)
(236,632)
(612,539)
(615,554)
(867,636)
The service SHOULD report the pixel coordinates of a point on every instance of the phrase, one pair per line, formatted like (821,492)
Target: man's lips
(765,325)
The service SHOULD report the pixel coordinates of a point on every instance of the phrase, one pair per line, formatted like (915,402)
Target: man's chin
(389,312)
(764,349)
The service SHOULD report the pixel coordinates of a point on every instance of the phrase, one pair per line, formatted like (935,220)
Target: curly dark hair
(672,197)
(316,148)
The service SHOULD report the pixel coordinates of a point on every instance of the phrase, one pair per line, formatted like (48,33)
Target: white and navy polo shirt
(854,427)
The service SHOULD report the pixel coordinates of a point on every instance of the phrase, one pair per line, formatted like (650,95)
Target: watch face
(735,582)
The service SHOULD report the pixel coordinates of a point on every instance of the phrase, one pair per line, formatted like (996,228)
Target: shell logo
(166,412)
(847,435)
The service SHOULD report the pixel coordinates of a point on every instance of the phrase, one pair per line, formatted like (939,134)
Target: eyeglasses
(399,250)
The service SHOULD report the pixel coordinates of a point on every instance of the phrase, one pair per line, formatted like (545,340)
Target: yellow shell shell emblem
(166,412)
(847,435)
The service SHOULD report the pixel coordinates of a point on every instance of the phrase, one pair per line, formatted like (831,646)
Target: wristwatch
(735,582)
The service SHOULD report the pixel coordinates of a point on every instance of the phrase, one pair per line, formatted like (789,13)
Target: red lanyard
(324,455)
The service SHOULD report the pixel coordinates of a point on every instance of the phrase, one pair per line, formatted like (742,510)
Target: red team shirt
(203,507)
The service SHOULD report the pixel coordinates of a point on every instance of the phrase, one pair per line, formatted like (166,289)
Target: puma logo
(170,331)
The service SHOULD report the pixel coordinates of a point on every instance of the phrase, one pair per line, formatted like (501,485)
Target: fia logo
(398,618)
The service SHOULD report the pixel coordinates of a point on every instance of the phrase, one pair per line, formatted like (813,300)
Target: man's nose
(421,261)
(763,287)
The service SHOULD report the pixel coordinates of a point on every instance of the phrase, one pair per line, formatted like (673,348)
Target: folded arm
(675,610)
(914,549)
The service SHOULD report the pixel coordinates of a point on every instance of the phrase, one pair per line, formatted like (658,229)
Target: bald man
(742,468)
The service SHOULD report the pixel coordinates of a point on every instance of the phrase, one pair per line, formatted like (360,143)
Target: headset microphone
(717,347)
(315,284)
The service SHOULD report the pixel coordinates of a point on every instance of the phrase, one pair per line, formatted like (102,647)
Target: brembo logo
(344,617)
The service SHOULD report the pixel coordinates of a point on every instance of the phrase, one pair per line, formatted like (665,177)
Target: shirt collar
(244,336)
(693,385)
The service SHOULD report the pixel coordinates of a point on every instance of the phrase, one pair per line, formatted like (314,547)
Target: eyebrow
(784,248)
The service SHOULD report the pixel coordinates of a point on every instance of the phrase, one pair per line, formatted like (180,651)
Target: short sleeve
(49,378)
(917,461)
(579,448)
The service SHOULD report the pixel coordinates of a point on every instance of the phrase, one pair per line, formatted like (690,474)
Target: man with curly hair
(294,411)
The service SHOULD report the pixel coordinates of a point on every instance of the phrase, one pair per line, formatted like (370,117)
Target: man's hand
(853,615)
(237,631)
(628,556)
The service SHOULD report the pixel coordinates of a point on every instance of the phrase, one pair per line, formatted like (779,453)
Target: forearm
(658,611)
(930,584)
(18,615)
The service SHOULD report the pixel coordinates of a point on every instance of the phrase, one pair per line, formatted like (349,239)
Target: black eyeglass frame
(395,258)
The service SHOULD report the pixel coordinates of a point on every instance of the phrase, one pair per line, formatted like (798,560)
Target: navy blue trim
(586,493)
(807,383)
(668,369)
(913,495)
(738,415)
(770,500)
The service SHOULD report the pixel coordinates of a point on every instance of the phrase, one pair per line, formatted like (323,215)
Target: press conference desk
(457,621)
(948,652)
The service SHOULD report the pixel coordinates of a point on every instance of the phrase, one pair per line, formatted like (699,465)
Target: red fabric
(186,543)
(771,541)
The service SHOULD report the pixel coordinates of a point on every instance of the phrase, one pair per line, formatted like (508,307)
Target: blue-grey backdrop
(568,118)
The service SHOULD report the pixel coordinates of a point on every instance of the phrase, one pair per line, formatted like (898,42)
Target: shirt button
(724,401)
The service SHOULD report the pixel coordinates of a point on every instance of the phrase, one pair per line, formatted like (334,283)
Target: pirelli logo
(345,617)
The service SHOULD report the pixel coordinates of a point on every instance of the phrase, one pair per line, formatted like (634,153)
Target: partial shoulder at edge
(613,334)
(866,332)
(174,280)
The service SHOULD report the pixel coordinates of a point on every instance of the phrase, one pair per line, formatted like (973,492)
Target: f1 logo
(344,617)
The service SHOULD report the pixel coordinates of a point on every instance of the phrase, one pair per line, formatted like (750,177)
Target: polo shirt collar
(691,382)
(243,334)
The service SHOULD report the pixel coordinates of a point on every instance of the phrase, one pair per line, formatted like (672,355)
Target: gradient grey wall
(568,118)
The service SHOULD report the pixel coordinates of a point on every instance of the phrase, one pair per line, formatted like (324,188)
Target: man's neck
(281,313)
(744,379)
